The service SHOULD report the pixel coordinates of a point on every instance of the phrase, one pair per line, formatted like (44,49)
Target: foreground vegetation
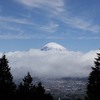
(25,90)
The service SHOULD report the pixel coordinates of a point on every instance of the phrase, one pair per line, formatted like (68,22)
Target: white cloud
(52,27)
(20,36)
(15,20)
(49,5)
(79,23)
(56,38)
(88,38)
(6,26)
(14,36)
(61,10)
(51,64)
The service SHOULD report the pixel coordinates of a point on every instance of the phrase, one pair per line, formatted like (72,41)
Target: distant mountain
(53,46)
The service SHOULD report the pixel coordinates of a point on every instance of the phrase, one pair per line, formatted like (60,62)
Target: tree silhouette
(7,86)
(27,91)
(40,93)
(93,86)
(24,89)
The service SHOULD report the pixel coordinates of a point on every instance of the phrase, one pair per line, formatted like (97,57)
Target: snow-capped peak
(53,46)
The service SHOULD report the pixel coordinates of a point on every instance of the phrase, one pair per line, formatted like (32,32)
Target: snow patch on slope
(53,46)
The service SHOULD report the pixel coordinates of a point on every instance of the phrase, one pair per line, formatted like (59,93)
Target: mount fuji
(53,46)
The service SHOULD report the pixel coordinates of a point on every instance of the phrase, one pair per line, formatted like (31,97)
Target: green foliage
(93,86)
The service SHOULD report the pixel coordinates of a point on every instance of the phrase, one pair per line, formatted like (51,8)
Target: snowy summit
(53,46)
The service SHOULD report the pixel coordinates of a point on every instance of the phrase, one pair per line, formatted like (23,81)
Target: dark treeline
(93,85)
(24,91)
(27,91)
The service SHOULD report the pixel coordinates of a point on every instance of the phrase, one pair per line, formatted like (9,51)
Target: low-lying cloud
(51,64)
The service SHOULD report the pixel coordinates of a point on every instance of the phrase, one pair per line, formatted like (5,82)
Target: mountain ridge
(53,46)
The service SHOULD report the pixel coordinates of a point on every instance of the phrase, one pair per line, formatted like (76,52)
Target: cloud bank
(51,64)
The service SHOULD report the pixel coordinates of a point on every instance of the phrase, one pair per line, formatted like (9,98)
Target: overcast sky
(26,24)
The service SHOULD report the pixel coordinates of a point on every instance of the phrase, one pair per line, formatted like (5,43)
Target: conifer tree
(40,93)
(93,86)
(7,86)
(24,89)
(27,91)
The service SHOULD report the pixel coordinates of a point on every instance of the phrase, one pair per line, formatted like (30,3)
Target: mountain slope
(53,46)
